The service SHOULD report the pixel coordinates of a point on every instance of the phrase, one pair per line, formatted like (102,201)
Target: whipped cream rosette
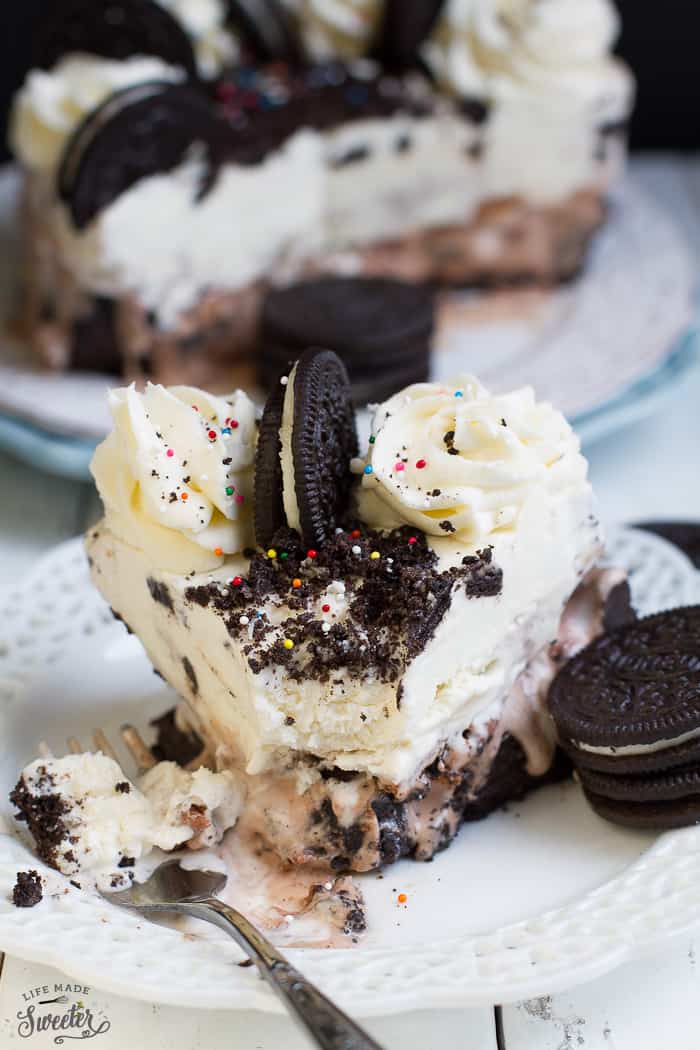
(175,474)
(455,460)
(493,48)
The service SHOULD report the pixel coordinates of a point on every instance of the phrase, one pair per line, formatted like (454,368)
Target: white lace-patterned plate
(528,902)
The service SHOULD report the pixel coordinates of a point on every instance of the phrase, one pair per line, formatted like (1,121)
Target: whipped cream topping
(100,822)
(490,48)
(105,817)
(197,807)
(50,105)
(459,462)
(289,494)
(344,28)
(176,474)
(205,22)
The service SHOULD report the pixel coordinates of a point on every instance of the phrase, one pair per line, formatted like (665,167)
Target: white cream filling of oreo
(289,495)
(639,749)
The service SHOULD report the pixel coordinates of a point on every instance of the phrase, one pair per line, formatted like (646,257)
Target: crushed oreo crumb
(126,862)
(27,892)
(123,787)
(160,593)
(172,744)
(396,602)
(43,813)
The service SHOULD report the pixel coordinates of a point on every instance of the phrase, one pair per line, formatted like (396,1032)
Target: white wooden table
(648,471)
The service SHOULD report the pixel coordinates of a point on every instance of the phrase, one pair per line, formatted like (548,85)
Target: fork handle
(329,1027)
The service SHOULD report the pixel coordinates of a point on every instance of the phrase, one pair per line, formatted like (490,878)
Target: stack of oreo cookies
(627,709)
(381,329)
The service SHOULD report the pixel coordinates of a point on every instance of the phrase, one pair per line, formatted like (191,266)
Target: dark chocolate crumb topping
(123,787)
(43,814)
(159,593)
(27,891)
(172,744)
(395,602)
(264,106)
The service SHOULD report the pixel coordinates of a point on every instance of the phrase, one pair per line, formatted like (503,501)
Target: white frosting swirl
(176,474)
(343,28)
(459,462)
(492,47)
(205,23)
(50,105)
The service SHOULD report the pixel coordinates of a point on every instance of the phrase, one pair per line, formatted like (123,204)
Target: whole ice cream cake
(365,642)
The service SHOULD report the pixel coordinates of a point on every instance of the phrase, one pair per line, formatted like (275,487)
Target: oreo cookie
(304,450)
(648,816)
(267,31)
(116,29)
(141,131)
(684,534)
(636,687)
(662,787)
(406,25)
(382,330)
(627,710)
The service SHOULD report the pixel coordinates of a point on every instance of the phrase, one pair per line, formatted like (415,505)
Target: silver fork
(183,892)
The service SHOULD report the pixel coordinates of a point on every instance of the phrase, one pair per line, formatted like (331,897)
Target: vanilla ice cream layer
(407,173)
(161,242)
(386,729)
(107,820)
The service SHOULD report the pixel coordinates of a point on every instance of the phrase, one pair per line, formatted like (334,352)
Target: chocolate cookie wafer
(118,30)
(627,709)
(306,442)
(381,329)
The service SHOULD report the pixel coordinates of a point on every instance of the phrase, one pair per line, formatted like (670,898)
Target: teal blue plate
(70,457)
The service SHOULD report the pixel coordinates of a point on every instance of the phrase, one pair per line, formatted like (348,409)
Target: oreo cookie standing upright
(406,25)
(267,31)
(304,461)
(381,328)
(115,29)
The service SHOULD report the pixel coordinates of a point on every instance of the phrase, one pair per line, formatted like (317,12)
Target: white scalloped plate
(529,902)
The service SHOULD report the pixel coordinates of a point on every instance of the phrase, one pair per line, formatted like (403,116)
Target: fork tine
(140,752)
(74,745)
(44,750)
(102,744)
